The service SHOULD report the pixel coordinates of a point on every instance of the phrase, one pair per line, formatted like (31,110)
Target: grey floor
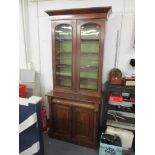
(57,147)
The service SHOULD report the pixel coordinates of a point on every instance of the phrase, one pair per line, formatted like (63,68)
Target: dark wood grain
(74,112)
(74,121)
(82,13)
(61,118)
(83,125)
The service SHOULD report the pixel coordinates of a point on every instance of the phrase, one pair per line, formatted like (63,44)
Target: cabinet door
(63,53)
(90,35)
(83,125)
(61,120)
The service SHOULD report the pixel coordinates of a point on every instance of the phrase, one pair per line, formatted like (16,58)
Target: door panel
(61,116)
(83,125)
(63,33)
(63,53)
(90,53)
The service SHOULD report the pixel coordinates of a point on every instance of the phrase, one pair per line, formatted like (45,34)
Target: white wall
(22,53)
(23,21)
(122,19)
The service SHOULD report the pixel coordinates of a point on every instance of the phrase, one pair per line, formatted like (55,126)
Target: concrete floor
(57,147)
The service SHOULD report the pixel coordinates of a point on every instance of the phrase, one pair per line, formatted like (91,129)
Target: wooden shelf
(63,58)
(64,39)
(89,40)
(87,53)
(62,75)
(63,65)
(88,67)
(82,79)
(89,58)
(90,87)
(58,53)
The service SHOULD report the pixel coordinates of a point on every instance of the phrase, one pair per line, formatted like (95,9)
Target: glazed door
(63,42)
(90,35)
(61,120)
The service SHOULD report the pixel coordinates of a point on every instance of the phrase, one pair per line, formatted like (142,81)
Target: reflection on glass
(63,35)
(89,56)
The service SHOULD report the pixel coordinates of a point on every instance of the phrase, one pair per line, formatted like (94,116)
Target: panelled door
(83,125)
(61,120)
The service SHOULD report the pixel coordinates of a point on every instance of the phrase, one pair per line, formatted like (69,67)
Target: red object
(132,100)
(22,90)
(116,98)
(97,26)
(44,118)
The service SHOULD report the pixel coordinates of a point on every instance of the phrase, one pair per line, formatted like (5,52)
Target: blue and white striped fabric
(30,130)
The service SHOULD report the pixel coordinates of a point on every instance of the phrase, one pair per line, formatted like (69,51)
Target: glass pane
(63,35)
(89,56)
